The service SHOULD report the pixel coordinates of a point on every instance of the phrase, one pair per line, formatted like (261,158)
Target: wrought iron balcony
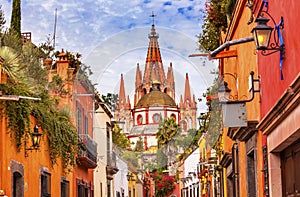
(88,158)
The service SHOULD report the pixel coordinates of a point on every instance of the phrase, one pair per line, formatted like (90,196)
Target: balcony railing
(111,167)
(88,157)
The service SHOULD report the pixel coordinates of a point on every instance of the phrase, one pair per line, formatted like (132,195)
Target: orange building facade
(30,173)
(261,144)
(242,158)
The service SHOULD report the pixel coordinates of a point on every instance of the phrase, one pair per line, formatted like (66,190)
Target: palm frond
(11,63)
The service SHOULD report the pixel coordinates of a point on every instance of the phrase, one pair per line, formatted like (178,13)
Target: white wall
(120,178)
(100,137)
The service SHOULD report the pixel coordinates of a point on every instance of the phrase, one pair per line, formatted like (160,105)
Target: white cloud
(112,35)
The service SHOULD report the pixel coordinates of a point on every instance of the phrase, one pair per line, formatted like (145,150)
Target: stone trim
(284,106)
(19,168)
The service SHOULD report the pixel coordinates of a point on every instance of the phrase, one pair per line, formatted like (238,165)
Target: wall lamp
(262,34)
(35,139)
(130,177)
(202,120)
(224,91)
(234,111)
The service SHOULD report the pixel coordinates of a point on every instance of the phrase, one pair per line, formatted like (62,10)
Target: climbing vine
(61,135)
(26,77)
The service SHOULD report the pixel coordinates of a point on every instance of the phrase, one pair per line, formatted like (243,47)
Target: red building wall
(268,66)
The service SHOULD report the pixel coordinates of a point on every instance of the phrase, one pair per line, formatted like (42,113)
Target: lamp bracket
(277,44)
(252,89)
(34,146)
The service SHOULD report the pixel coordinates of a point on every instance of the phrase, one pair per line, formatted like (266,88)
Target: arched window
(183,125)
(144,91)
(18,183)
(173,116)
(139,119)
(156,118)
(190,123)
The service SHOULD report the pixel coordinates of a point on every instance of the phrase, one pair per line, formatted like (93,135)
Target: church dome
(156,98)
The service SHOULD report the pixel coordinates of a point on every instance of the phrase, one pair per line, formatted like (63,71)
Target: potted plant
(46,50)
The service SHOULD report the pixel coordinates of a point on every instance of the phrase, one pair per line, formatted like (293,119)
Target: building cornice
(243,133)
(226,159)
(237,13)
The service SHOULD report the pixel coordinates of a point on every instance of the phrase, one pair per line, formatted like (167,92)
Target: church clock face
(156,118)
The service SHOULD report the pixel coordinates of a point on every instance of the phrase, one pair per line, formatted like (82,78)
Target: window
(183,125)
(156,118)
(139,119)
(86,125)
(82,189)
(64,188)
(290,159)
(45,184)
(122,191)
(251,174)
(173,116)
(17,184)
(17,173)
(79,120)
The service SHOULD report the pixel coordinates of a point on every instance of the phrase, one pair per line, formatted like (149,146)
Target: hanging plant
(215,21)
(61,134)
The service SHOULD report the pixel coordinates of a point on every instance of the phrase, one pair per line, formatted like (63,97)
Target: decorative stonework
(17,178)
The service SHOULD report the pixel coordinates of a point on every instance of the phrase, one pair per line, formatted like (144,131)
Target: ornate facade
(154,99)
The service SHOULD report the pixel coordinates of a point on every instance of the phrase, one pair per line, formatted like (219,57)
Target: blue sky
(112,36)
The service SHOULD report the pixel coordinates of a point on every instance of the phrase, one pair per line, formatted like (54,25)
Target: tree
(15,23)
(164,184)
(215,116)
(162,159)
(111,99)
(2,19)
(131,157)
(119,138)
(165,136)
(167,130)
(11,63)
(139,146)
(189,141)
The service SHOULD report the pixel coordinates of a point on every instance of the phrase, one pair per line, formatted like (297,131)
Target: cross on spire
(152,15)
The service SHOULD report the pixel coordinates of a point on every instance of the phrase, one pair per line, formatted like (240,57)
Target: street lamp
(202,121)
(262,33)
(224,92)
(130,177)
(35,139)
(234,111)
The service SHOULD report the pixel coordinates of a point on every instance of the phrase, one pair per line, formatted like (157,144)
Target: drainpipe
(230,43)
(235,169)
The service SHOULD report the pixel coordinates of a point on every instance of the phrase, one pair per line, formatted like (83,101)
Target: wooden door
(291,171)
